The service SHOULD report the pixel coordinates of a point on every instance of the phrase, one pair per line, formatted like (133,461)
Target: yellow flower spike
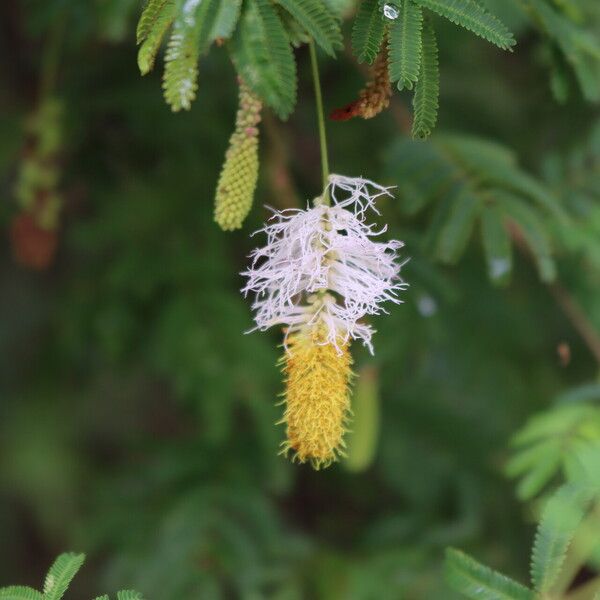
(317,398)
(235,190)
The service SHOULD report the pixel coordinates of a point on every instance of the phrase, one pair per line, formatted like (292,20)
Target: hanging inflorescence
(374,97)
(320,274)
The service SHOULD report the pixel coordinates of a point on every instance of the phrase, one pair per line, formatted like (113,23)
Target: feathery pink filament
(322,265)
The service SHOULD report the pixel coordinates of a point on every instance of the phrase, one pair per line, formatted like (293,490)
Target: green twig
(321,118)
(51,57)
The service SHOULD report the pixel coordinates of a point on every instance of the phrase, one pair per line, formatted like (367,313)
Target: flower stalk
(320,117)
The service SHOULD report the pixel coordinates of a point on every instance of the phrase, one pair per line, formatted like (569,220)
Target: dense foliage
(136,418)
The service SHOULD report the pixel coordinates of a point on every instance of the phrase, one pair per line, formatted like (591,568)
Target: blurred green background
(137,419)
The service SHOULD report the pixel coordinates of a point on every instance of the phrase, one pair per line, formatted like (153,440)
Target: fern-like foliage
(470,181)
(579,48)
(123,595)
(576,174)
(152,12)
(57,582)
(226,19)
(261,45)
(568,526)
(60,575)
(472,16)
(189,39)
(318,22)
(129,595)
(567,520)
(19,592)
(474,580)
(263,56)
(426,98)
(562,516)
(368,31)
(156,19)
(413,53)
(405,46)
(553,441)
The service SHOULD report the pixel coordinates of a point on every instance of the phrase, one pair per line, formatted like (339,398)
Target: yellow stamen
(317,398)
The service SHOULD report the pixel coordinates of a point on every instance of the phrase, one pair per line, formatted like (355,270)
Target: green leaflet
(157,17)
(339,7)
(318,21)
(405,45)
(368,31)
(476,581)
(226,19)
(458,226)
(526,459)
(61,574)
(426,98)
(560,520)
(150,15)
(129,595)
(539,474)
(421,173)
(470,15)
(19,592)
(190,38)
(533,230)
(263,56)
(478,154)
(496,245)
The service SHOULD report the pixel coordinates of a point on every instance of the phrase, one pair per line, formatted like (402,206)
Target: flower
(317,398)
(321,266)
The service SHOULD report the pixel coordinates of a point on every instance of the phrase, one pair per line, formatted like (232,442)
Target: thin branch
(580,321)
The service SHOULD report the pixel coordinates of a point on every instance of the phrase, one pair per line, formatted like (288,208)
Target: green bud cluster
(35,187)
(237,182)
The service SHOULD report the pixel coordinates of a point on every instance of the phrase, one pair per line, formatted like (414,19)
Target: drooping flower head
(321,272)
(324,265)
